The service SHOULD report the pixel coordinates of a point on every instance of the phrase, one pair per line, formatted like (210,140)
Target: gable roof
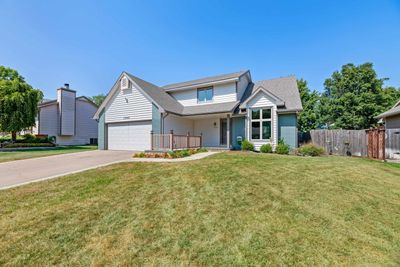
(156,94)
(395,110)
(204,81)
(284,88)
(159,96)
(278,101)
(48,102)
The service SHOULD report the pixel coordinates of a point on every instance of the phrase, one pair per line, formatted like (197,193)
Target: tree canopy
(308,118)
(98,99)
(351,99)
(18,102)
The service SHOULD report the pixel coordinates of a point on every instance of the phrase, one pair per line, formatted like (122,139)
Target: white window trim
(205,101)
(261,120)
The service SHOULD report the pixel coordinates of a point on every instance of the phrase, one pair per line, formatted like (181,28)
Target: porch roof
(210,108)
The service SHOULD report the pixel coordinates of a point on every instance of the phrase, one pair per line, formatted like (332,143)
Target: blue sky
(89,43)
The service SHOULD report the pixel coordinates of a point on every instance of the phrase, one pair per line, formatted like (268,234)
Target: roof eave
(193,86)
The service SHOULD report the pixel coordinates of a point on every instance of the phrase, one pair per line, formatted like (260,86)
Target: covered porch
(211,131)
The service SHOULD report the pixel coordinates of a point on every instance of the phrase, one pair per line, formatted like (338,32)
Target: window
(205,94)
(261,124)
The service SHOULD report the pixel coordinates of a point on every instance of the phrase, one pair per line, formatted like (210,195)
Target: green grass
(35,153)
(231,209)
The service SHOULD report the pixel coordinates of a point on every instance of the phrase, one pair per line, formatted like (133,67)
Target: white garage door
(129,136)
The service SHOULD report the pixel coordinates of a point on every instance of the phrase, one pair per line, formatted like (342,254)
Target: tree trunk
(14,136)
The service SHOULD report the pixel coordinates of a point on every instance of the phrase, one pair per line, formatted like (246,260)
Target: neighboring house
(391,117)
(222,109)
(68,118)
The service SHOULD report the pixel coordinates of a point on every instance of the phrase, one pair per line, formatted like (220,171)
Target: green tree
(98,99)
(309,117)
(18,102)
(353,96)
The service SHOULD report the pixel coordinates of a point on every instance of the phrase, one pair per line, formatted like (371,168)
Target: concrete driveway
(20,172)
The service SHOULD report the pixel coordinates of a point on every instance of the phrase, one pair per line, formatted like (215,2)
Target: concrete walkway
(20,172)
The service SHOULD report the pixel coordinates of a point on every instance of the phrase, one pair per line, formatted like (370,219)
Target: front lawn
(229,209)
(42,152)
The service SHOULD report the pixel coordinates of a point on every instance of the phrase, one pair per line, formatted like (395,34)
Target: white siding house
(68,118)
(219,109)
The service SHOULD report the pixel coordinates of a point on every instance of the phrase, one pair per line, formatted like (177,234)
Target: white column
(228,130)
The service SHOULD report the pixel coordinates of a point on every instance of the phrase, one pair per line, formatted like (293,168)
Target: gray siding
(392,122)
(86,127)
(128,105)
(156,120)
(241,86)
(48,120)
(67,106)
(288,129)
(102,137)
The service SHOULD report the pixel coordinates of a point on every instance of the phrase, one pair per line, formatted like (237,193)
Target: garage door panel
(129,136)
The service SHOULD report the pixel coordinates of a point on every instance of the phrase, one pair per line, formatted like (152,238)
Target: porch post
(228,130)
(171,140)
(151,140)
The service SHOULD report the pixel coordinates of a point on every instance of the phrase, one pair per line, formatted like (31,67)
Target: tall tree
(98,99)
(309,117)
(18,102)
(353,96)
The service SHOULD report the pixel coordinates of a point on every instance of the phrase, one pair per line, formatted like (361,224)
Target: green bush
(310,150)
(282,147)
(266,148)
(171,154)
(139,155)
(17,145)
(247,146)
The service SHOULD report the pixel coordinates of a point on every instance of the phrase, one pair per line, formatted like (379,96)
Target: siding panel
(179,125)
(48,120)
(128,105)
(222,93)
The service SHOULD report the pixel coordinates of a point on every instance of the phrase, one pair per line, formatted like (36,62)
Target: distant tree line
(352,97)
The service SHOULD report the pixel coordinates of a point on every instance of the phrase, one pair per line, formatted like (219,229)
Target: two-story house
(68,118)
(222,109)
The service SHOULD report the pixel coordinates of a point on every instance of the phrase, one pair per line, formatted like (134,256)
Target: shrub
(282,147)
(17,145)
(139,155)
(247,146)
(266,148)
(170,155)
(52,139)
(310,150)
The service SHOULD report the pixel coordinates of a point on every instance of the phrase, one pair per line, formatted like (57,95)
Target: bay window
(261,124)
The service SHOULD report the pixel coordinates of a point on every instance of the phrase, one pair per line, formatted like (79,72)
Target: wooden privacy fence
(173,141)
(374,143)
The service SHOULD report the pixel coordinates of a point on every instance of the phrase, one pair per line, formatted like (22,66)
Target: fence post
(171,140)
(151,139)
(187,140)
(383,144)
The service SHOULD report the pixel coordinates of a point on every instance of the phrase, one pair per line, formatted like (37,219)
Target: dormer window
(205,95)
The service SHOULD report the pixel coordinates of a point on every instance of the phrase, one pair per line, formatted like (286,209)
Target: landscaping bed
(170,154)
(26,145)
